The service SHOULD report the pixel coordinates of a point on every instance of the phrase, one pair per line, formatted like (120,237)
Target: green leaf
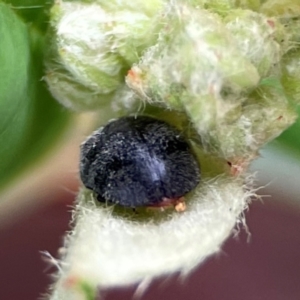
(30,119)
(35,12)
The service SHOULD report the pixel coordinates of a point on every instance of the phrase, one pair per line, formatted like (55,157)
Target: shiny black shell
(138,161)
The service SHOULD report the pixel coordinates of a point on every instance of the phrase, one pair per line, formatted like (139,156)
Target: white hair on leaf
(107,250)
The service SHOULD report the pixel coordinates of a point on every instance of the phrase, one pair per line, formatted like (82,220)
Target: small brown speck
(180,206)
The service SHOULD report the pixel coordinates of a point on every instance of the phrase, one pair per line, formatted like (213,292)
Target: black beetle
(138,161)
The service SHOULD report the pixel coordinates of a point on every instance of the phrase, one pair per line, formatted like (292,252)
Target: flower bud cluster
(94,44)
(226,72)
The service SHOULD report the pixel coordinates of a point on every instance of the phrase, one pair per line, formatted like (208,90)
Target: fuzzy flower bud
(190,70)
(96,44)
(211,71)
(223,7)
(254,36)
(281,8)
(291,75)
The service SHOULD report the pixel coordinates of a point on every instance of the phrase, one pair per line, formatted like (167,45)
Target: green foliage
(35,12)
(30,120)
